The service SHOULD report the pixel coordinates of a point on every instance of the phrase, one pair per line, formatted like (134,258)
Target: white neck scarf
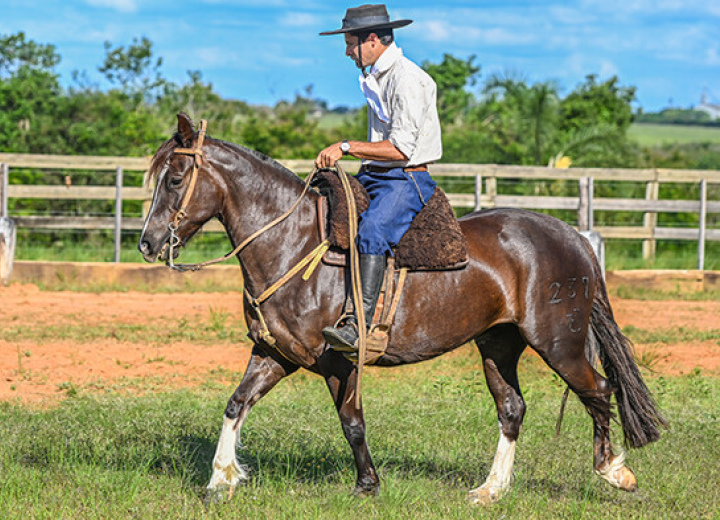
(370,86)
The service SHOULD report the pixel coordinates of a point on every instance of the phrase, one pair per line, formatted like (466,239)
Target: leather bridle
(181,213)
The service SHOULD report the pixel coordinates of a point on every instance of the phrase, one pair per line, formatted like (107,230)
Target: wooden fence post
(650,220)
(4,174)
(8,231)
(478,192)
(703,220)
(491,189)
(583,204)
(118,212)
(590,210)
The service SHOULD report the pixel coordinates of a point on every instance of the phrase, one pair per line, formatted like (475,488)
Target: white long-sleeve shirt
(408,100)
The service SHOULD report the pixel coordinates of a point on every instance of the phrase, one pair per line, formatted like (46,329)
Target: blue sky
(262,51)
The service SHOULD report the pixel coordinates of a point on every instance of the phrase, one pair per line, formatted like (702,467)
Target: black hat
(366,18)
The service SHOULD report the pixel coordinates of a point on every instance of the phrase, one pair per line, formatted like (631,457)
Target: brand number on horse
(571,289)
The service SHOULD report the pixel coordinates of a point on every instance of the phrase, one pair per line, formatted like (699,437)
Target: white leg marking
(227,472)
(618,474)
(498,481)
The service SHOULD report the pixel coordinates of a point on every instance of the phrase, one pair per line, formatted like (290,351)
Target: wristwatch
(345,147)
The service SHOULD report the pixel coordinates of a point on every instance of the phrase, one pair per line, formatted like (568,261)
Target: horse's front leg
(263,372)
(341,378)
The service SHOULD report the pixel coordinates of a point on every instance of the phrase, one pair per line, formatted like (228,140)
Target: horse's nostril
(144,247)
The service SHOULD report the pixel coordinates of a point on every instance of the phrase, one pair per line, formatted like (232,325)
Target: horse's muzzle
(147,252)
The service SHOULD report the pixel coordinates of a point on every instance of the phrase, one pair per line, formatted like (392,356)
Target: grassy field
(656,135)
(432,430)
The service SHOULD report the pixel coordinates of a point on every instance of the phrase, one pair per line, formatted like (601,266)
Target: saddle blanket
(433,242)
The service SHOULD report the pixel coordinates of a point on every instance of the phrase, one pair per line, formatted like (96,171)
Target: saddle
(434,241)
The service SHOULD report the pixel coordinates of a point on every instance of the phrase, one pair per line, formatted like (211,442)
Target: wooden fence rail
(485,195)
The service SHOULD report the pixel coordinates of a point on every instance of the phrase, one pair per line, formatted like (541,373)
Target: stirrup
(333,337)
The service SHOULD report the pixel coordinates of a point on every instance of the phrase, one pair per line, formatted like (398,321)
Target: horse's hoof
(485,495)
(366,491)
(618,475)
(622,478)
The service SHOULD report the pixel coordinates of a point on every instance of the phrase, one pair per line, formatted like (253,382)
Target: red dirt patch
(45,371)
(653,315)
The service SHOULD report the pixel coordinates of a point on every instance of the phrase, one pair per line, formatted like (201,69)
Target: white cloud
(571,16)
(712,57)
(608,69)
(623,8)
(211,57)
(299,19)
(444,31)
(124,6)
(574,65)
(503,36)
(437,31)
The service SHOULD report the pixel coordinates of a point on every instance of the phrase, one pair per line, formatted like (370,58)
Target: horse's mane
(165,153)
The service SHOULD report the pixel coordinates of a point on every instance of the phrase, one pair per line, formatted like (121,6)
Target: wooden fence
(486,195)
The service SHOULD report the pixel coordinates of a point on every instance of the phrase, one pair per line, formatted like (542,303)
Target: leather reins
(313,258)
(174,241)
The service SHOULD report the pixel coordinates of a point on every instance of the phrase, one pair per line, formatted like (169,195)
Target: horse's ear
(186,129)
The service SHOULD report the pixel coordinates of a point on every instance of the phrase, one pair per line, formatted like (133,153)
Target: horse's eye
(175,181)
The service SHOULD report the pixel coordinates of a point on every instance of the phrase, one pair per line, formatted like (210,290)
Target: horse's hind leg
(341,378)
(501,348)
(262,374)
(565,354)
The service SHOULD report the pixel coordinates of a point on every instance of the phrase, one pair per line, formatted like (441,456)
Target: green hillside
(648,134)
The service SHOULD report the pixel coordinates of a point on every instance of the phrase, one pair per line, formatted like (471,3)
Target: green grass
(671,335)
(627,254)
(642,293)
(656,135)
(432,431)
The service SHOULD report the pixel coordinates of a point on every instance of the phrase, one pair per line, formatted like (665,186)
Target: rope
(355,281)
(312,258)
(244,243)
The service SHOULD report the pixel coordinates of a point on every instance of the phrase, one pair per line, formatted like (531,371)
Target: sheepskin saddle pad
(433,242)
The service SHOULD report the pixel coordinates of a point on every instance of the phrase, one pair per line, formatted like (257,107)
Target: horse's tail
(639,415)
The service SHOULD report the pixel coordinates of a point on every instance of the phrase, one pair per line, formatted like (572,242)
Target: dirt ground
(46,370)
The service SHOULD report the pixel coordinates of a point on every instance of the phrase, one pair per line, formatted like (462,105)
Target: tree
(593,103)
(29,95)
(530,113)
(519,123)
(133,68)
(17,52)
(198,99)
(594,120)
(452,77)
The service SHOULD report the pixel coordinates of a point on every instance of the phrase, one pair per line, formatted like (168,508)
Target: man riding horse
(403,139)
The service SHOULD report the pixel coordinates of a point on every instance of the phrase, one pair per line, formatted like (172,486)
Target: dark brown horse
(532,280)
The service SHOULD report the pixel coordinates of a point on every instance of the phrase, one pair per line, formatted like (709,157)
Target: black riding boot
(372,271)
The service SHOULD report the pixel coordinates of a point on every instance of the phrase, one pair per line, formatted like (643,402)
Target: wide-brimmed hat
(366,18)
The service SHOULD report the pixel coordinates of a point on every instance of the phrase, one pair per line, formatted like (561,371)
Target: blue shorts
(395,198)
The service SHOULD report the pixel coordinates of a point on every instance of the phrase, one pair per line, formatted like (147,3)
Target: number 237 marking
(571,288)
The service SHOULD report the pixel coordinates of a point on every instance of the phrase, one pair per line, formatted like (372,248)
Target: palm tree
(533,115)
(533,112)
